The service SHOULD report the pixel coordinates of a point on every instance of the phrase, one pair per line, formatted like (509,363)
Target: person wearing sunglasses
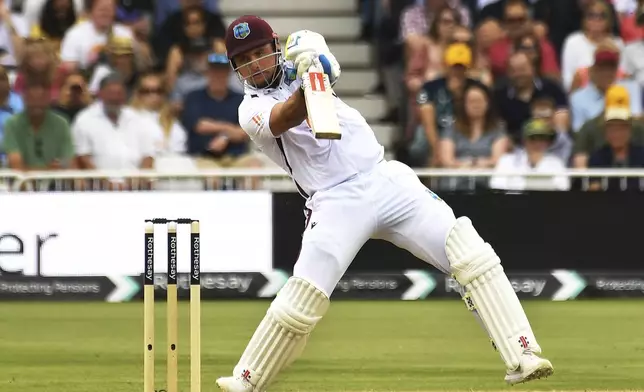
(579,47)
(538,136)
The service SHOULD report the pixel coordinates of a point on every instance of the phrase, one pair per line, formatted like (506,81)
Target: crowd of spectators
(117,85)
(513,85)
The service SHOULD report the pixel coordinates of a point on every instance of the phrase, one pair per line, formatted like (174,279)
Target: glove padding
(305,45)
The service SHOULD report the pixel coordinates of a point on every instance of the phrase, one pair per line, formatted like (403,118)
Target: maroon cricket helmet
(248,32)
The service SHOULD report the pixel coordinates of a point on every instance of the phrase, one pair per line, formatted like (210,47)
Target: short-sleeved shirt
(633,61)
(515,111)
(83,43)
(436,93)
(113,146)
(314,164)
(592,135)
(38,148)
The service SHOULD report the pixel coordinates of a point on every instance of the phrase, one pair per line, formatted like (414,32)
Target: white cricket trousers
(388,203)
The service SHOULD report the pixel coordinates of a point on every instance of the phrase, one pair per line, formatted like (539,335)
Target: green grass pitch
(359,346)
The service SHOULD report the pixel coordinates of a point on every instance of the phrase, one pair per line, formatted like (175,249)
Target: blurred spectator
(582,75)
(74,96)
(193,43)
(13,30)
(111,136)
(164,8)
(120,57)
(210,116)
(618,152)
(440,34)
(528,43)
(38,138)
(56,17)
(436,101)
(588,102)
(579,47)
(544,108)
(632,63)
(141,26)
(486,34)
(514,99)
(532,158)
(40,63)
(480,63)
(83,44)
(10,102)
(517,23)
(173,31)
(33,11)
(565,17)
(591,137)
(476,139)
(417,18)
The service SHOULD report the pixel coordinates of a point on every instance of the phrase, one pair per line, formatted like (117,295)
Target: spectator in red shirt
(40,63)
(516,23)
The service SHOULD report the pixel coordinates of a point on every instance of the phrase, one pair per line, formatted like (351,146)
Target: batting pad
(489,293)
(282,333)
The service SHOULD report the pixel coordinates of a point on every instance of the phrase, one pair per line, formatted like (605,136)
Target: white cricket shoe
(532,367)
(234,384)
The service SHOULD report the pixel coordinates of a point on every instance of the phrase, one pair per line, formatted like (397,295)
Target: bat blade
(320,105)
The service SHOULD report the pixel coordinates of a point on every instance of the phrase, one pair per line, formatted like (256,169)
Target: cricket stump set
(172,306)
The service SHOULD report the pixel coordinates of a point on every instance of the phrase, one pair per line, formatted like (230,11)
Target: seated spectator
(38,138)
(436,101)
(582,75)
(40,63)
(480,65)
(173,31)
(192,74)
(618,152)
(544,108)
(532,158)
(33,10)
(528,43)
(74,96)
(440,34)
(10,104)
(416,18)
(141,26)
(151,100)
(83,44)
(164,8)
(120,58)
(514,99)
(580,46)
(487,33)
(182,52)
(475,141)
(591,136)
(633,61)
(56,17)
(210,117)
(13,31)
(588,102)
(111,136)
(517,22)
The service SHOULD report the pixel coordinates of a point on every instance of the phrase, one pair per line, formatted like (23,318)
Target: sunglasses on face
(516,19)
(596,15)
(527,47)
(148,91)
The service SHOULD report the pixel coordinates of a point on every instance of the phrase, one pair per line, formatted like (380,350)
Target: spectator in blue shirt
(10,104)
(588,102)
(210,116)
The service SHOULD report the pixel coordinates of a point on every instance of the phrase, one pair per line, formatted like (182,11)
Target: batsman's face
(258,66)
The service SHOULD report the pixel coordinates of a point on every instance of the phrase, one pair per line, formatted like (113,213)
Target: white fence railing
(273,178)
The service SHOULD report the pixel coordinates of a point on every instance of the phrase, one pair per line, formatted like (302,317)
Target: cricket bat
(320,105)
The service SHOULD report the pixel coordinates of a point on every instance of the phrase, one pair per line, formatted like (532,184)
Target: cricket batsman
(353,194)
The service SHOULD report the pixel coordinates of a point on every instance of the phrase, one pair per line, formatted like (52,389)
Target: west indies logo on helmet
(254,51)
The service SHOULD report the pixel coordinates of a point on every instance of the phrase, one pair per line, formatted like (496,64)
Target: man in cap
(436,102)
(353,194)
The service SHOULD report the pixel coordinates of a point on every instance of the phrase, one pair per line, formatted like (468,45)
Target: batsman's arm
(289,114)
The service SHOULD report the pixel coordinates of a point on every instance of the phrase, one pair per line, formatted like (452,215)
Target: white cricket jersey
(313,164)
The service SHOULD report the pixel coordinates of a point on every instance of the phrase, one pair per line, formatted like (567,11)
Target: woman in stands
(475,141)
(40,63)
(56,17)
(579,47)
